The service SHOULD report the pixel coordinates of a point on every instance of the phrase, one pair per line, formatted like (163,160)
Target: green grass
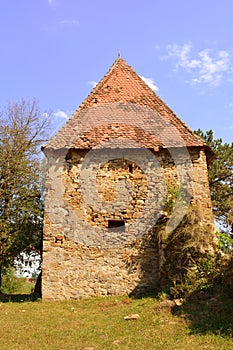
(99,323)
(12,284)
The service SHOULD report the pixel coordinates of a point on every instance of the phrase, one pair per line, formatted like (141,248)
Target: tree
(22,129)
(221,179)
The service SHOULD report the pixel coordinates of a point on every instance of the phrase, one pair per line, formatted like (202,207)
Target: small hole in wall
(116,225)
(131,168)
(59,239)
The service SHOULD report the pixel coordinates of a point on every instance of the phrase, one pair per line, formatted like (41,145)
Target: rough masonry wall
(83,253)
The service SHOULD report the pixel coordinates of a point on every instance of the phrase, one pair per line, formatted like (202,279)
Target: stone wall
(101,212)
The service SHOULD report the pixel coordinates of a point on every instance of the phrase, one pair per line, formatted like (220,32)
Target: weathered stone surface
(82,256)
(123,166)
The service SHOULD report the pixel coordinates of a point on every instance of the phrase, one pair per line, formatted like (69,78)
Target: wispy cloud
(231,107)
(53,3)
(204,66)
(61,114)
(69,22)
(93,83)
(62,24)
(150,82)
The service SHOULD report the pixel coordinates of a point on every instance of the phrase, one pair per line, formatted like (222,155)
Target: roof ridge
(101,82)
(122,84)
(161,100)
(108,74)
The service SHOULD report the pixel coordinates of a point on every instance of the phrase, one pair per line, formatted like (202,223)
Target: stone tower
(121,163)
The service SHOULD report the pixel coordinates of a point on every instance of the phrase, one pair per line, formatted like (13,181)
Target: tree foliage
(221,179)
(22,128)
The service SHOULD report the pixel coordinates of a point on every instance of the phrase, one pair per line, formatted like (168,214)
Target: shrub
(225,242)
(10,284)
(191,256)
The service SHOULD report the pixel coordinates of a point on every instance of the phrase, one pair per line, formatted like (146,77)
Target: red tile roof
(122,106)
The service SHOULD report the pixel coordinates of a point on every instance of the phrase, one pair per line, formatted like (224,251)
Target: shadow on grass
(208,313)
(211,310)
(19,298)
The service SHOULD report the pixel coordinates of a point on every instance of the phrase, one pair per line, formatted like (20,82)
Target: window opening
(131,168)
(116,225)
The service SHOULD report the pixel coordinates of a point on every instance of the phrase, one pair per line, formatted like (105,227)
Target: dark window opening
(116,225)
(130,168)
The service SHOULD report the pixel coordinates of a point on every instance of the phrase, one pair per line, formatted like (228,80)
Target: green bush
(191,254)
(198,277)
(10,283)
(225,242)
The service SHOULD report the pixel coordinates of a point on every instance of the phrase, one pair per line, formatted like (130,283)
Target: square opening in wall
(116,225)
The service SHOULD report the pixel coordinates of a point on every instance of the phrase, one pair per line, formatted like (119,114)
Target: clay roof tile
(123,99)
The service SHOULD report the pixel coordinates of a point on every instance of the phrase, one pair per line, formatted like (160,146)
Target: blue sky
(55,50)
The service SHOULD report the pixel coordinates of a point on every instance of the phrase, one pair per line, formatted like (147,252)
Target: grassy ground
(203,322)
